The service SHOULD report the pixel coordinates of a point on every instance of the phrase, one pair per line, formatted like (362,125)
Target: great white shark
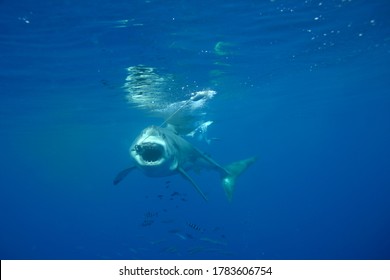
(160,152)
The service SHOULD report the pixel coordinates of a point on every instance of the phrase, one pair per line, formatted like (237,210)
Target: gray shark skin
(159,152)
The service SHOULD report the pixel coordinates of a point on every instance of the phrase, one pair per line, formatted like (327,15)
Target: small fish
(213,241)
(170,249)
(181,236)
(195,227)
(156,242)
(134,251)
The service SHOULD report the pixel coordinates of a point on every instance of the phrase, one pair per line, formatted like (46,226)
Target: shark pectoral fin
(212,162)
(233,171)
(186,176)
(121,175)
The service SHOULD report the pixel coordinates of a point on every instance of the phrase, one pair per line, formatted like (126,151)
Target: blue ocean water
(303,85)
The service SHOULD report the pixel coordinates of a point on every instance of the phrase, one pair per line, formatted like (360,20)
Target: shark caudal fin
(233,171)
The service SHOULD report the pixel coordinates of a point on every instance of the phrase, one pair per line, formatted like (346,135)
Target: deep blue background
(304,85)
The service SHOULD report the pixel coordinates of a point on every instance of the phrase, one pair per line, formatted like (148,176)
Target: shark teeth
(150,152)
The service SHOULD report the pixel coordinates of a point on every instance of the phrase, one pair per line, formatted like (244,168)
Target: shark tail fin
(234,170)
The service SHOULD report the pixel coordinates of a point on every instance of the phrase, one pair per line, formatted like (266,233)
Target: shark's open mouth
(150,152)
